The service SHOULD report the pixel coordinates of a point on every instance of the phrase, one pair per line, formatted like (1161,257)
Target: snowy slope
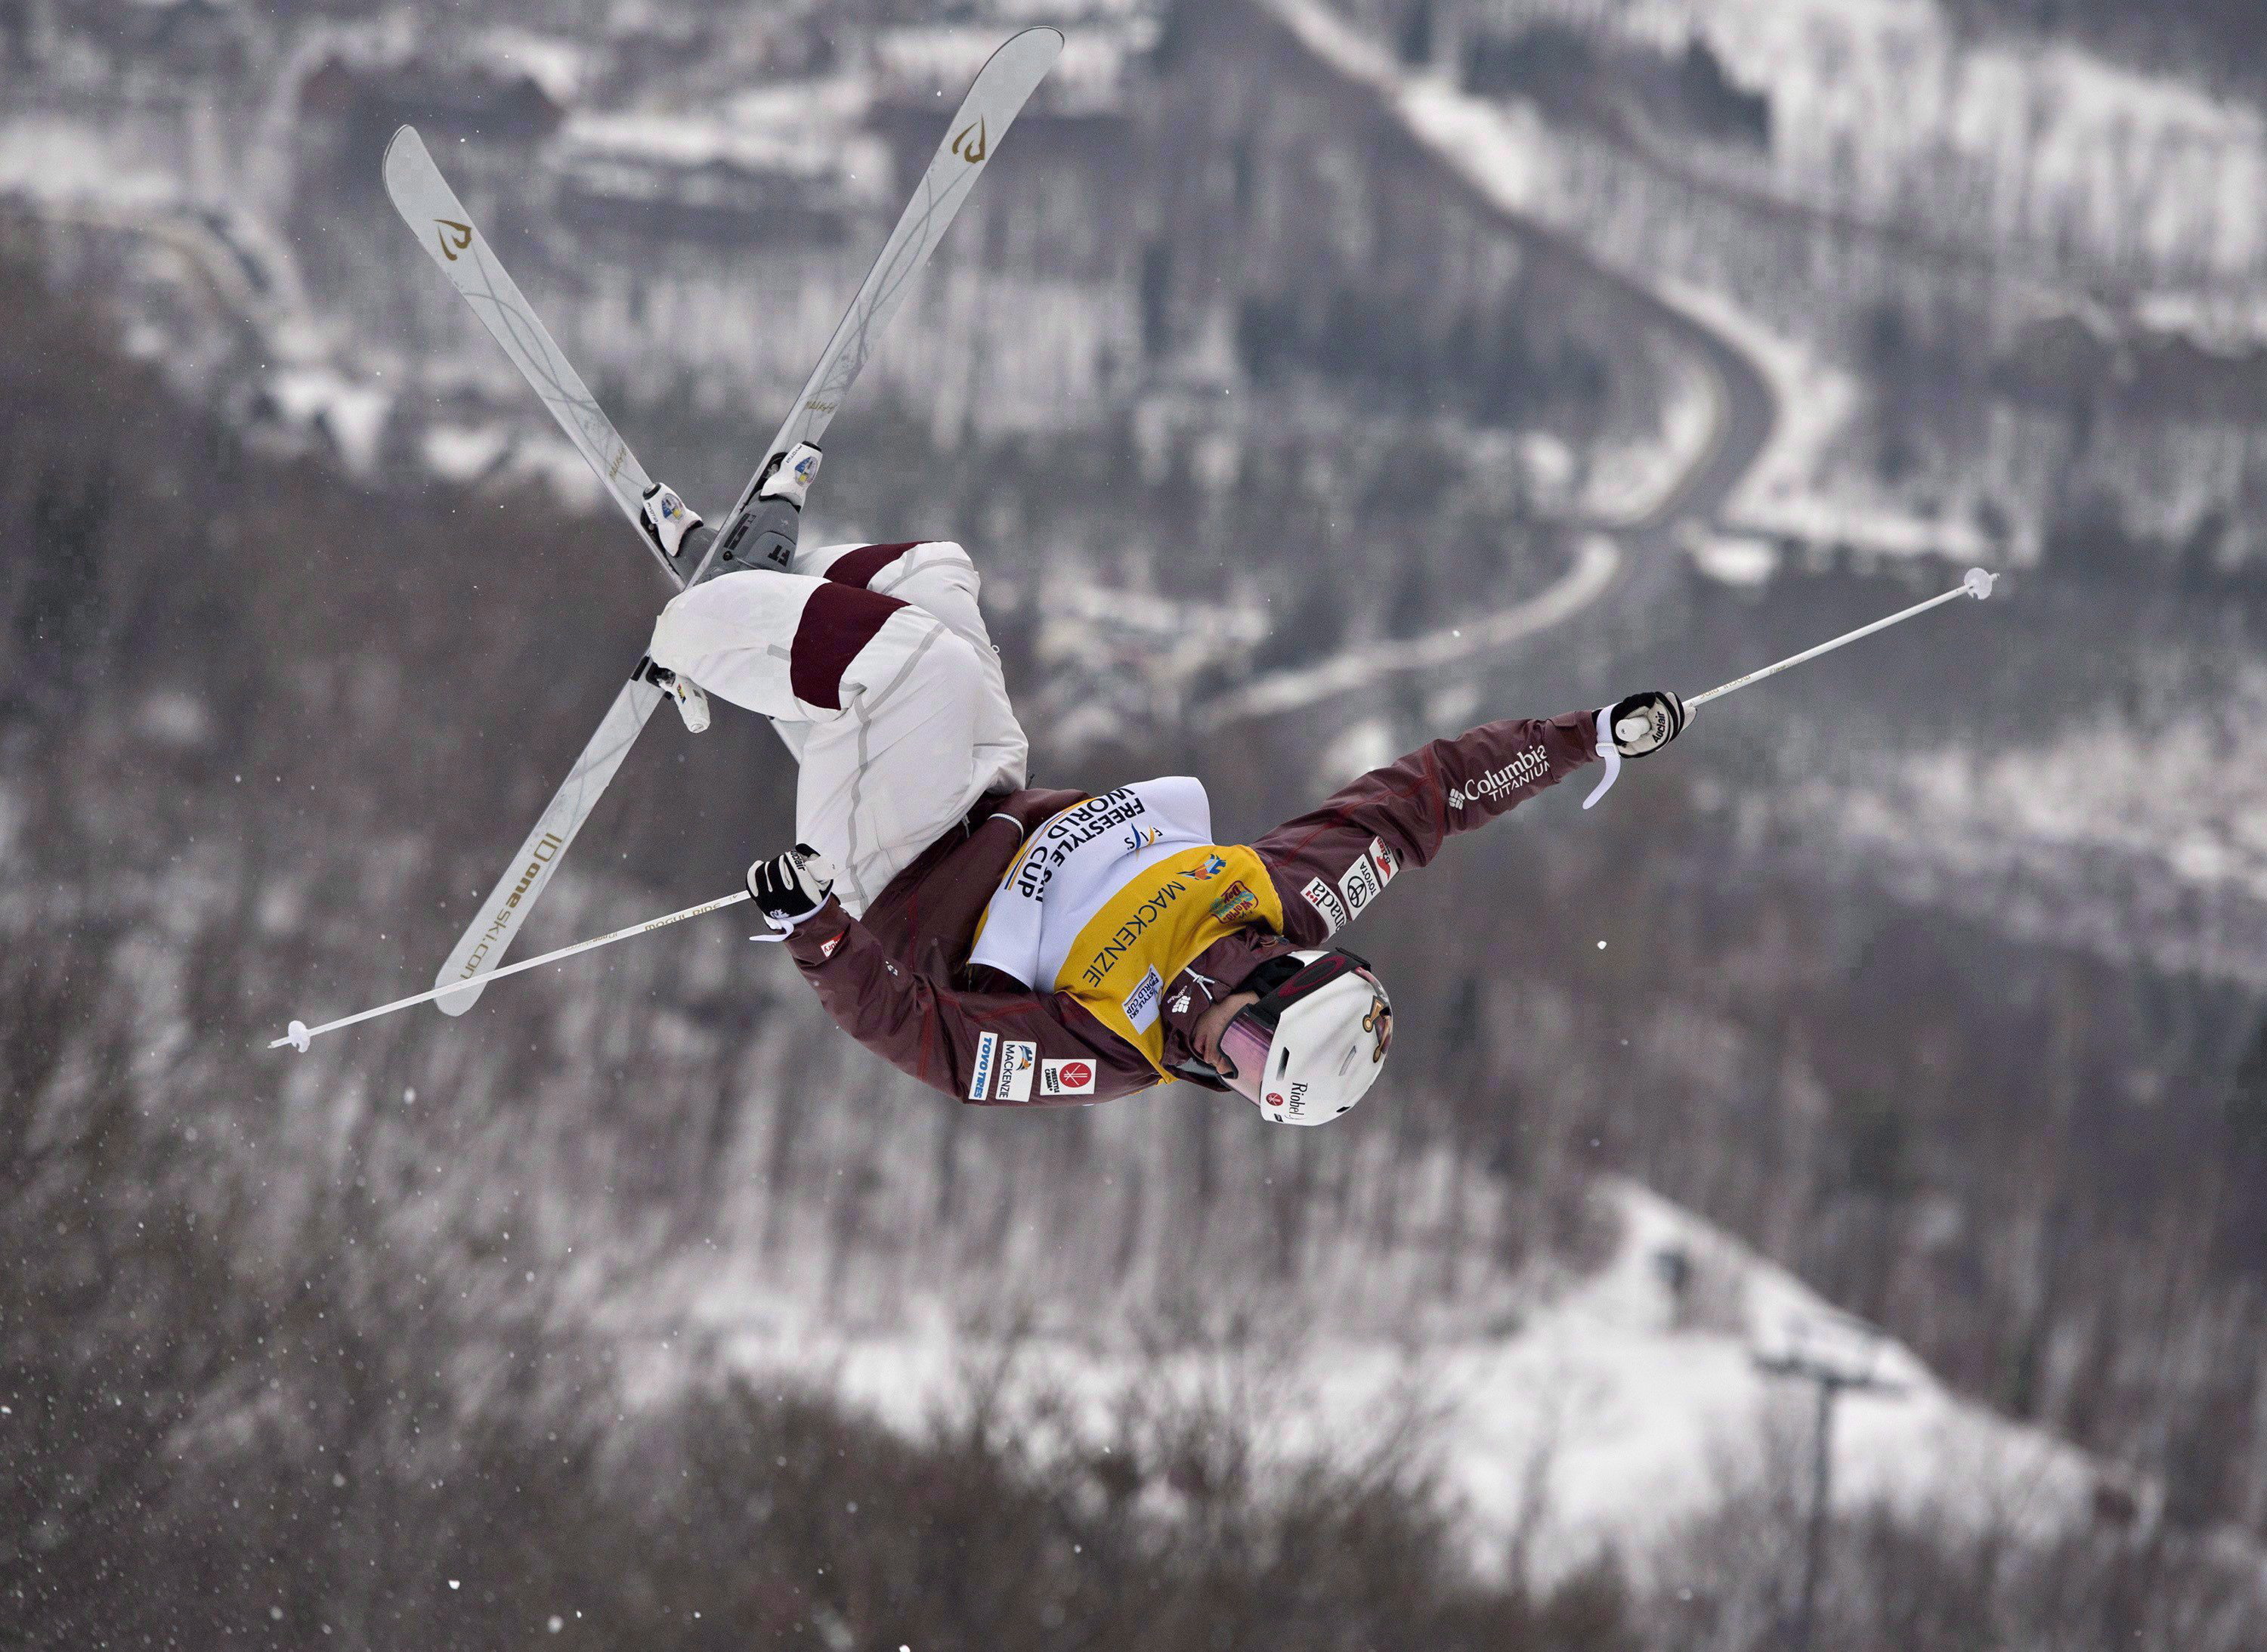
(1607,1411)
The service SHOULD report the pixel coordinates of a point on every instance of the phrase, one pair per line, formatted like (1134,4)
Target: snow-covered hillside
(1191,516)
(1600,1413)
(1881,110)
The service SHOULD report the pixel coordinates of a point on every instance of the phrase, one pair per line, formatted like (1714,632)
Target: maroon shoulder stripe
(858,567)
(837,622)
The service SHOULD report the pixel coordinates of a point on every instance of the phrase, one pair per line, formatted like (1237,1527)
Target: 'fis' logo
(1204,870)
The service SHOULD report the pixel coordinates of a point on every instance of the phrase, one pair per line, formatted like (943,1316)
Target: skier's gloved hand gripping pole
(789,888)
(1644,723)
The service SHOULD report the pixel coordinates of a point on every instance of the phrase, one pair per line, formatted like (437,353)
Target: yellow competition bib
(1147,932)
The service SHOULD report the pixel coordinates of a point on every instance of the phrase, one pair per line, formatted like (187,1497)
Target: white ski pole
(1976,582)
(299,1035)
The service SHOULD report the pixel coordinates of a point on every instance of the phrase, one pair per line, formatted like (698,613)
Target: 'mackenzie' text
(1117,946)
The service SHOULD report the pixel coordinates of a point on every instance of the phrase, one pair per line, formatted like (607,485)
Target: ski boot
(668,519)
(683,692)
(764,535)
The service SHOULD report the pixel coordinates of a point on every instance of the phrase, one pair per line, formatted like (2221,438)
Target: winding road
(1628,559)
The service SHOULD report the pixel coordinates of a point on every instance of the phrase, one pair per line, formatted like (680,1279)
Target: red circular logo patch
(1076,1073)
(1274,1100)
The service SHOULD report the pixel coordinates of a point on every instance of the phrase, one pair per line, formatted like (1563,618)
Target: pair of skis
(758,531)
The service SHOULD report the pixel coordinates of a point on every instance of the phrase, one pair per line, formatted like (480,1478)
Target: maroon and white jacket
(899,980)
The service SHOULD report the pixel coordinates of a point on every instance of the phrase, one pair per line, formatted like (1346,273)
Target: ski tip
(1977,582)
(1043,38)
(457,1003)
(404,144)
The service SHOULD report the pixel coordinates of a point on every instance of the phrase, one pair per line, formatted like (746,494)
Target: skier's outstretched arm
(1330,863)
(989,1048)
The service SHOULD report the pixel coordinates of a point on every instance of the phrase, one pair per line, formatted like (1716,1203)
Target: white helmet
(1315,1042)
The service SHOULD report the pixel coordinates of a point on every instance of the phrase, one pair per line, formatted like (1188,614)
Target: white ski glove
(1643,724)
(1635,727)
(789,887)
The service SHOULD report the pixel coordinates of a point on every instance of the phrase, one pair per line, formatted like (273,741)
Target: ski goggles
(1248,1038)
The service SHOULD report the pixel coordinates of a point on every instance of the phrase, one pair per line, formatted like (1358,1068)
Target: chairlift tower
(1838,1354)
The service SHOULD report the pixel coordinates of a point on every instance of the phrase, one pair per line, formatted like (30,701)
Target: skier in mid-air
(1005,944)
(1017,946)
